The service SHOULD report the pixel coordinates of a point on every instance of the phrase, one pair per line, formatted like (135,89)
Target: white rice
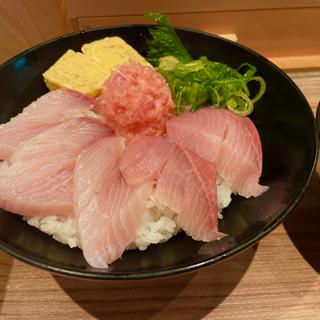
(61,228)
(159,223)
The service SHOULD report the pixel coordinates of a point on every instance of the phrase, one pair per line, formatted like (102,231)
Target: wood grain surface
(276,279)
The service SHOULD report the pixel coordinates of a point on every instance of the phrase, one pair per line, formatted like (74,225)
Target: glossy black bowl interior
(289,139)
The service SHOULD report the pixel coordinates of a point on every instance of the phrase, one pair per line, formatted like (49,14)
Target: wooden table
(276,279)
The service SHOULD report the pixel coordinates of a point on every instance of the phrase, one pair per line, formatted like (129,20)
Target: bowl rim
(318,119)
(100,275)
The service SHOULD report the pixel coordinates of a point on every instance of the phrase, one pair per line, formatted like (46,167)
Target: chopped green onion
(201,82)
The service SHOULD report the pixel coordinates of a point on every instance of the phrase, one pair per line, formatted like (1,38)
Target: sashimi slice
(229,140)
(172,182)
(206,173)
(37,179)
(108,211)
(198,132)
(144,158)
(251,131)
(186,187)
(49,110)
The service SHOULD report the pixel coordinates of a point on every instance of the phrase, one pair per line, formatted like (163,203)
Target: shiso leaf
(165,41)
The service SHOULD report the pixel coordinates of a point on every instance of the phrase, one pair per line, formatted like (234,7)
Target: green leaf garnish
(198,83)
(165,41)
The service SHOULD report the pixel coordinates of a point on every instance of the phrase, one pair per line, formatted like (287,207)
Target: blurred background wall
(285,31)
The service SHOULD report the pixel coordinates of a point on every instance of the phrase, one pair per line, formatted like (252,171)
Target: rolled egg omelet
(87,71)
(110,52)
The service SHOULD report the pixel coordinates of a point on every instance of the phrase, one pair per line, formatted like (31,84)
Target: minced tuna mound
(136,99)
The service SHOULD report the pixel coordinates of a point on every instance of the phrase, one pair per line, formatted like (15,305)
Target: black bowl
(318,117)
(289,138)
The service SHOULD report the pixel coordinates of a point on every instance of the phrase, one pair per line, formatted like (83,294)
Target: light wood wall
(284,31)
(26,23)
